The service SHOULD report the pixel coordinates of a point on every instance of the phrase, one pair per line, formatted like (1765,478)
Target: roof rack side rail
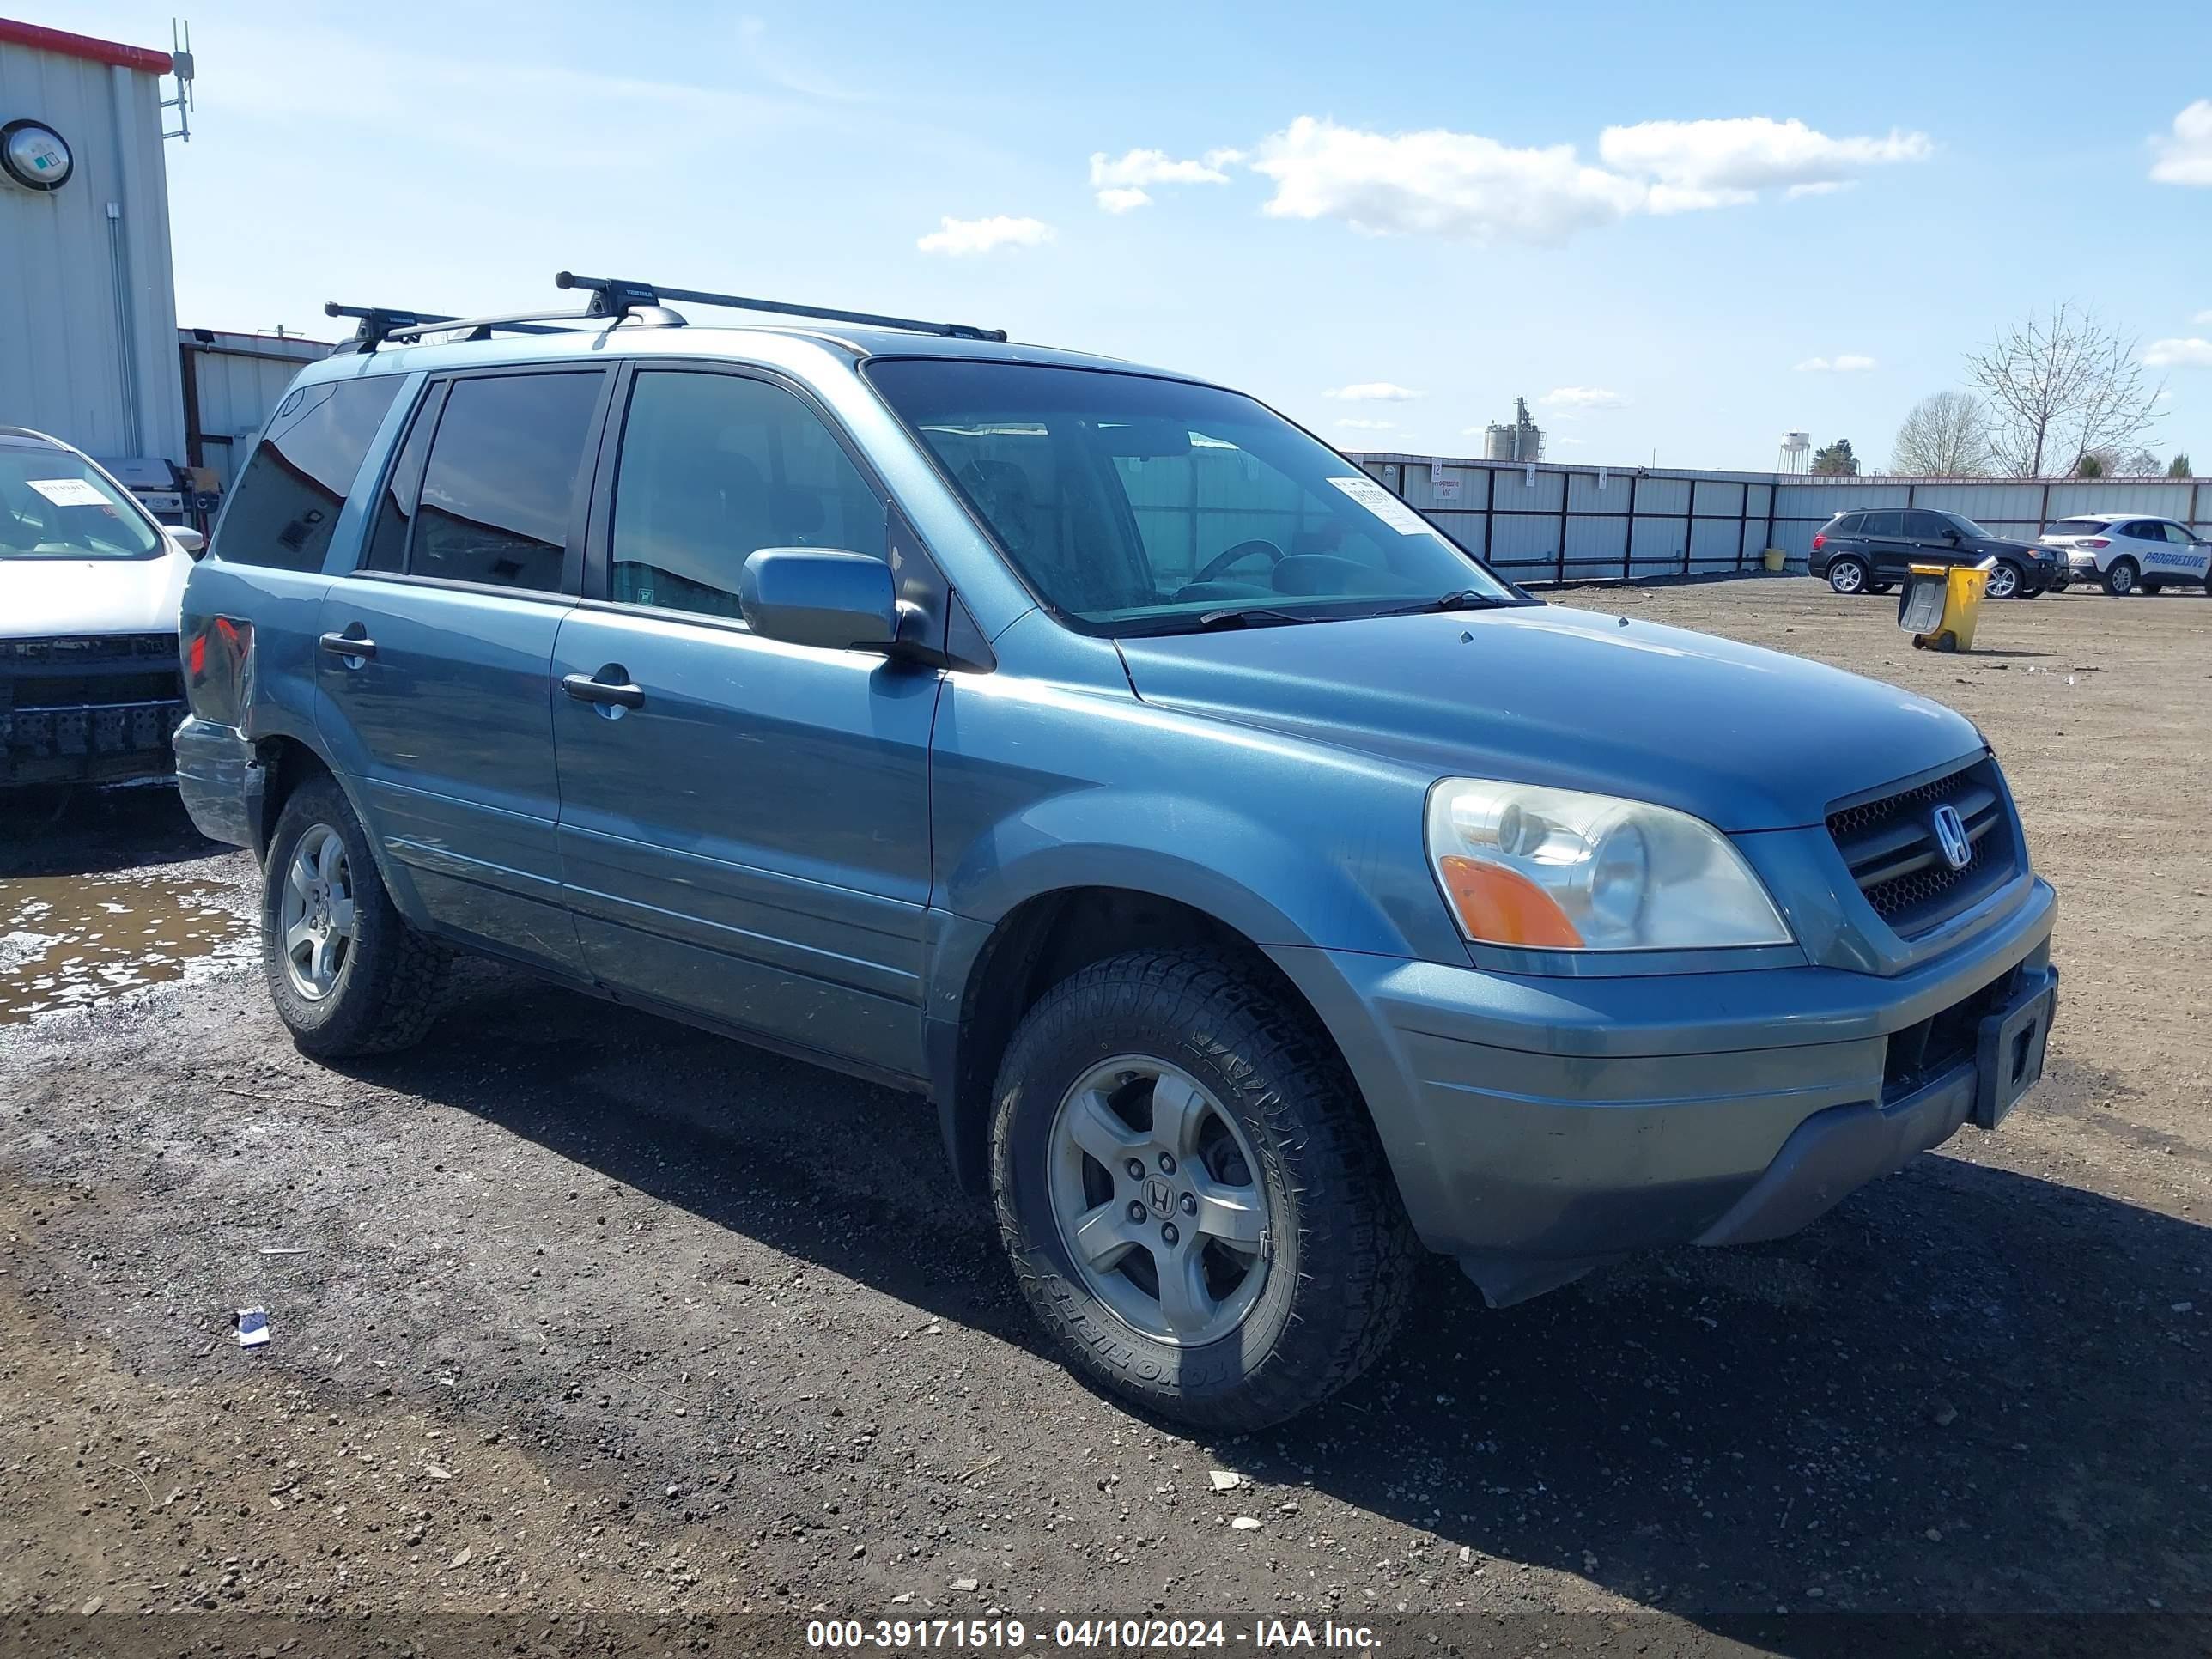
(381,323)
(617,292)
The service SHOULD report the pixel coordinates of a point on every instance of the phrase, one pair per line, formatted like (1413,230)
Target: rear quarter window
(287,503)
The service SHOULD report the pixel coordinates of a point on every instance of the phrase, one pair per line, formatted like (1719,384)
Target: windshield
(1140,505)
(55,505)
(1966,526)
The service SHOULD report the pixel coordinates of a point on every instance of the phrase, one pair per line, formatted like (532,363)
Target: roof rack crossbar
(618,295)
(377,324)
(483,328)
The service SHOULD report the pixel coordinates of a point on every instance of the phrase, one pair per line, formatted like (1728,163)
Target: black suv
(1868,552)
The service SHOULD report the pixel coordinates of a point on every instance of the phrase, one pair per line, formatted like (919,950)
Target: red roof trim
(85,46)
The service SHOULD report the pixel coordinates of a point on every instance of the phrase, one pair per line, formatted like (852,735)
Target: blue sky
(1655,223)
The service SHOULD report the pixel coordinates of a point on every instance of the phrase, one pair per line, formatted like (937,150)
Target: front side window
(54,505)
(501,480)
(1925,527)
(2177,535)
(286,503)
(716,467)
(1133,505)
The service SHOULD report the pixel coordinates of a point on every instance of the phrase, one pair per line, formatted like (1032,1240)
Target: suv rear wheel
(348,975)
(2120,578)
(1847,574)
(1191,1192)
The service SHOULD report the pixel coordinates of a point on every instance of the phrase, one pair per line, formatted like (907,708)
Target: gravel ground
(584,1315)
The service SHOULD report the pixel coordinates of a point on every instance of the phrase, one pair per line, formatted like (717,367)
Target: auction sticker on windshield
(68,492)
(1384,506)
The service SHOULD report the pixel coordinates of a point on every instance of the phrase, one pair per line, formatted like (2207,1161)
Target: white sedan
(2126,551)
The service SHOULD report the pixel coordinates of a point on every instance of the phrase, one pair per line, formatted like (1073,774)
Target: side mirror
(188,538)
(815,596)
(1950,535)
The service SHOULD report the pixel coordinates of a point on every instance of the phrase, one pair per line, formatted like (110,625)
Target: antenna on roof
(617,296)
(180,66)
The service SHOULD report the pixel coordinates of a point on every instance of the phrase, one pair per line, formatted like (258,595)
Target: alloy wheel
(319,914)
(1155,1190)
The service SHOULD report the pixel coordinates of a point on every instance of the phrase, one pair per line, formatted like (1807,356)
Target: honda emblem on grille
(1951,836)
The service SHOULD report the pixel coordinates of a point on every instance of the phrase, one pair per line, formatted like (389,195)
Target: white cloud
(1356,425)
(1583,397)
(1374,392)
(1720,162)
(2178,353)
(1849,363)
(1120,180)
(2184,155)
(1464,184)
(2202,317)
(1825,187)
(964,236)
(1451,183)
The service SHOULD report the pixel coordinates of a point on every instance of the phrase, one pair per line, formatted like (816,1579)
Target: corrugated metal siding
(239,378)
(62,368)
(1688,522)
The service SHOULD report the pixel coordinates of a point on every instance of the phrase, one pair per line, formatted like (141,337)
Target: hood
(41,599)
(1742,738)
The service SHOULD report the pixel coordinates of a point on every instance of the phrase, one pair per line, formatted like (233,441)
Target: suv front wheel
(2006,581)
(1191,1192)
(348,975)
(1847,574)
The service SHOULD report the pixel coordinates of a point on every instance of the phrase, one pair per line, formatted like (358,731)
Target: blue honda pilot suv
(1260,888)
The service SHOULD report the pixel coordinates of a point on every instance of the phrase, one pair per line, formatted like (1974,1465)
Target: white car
(2126,551)
(91,686)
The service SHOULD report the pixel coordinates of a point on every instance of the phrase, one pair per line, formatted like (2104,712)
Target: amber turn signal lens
(1503,907)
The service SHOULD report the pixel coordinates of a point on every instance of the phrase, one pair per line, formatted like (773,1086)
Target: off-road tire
(390,990)
(1342,1252)
(2122,578)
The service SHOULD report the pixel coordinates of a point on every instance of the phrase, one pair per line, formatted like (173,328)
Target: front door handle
(349,645)
(619,694)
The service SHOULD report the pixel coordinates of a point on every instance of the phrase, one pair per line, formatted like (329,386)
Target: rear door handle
(347,645)
(620,694)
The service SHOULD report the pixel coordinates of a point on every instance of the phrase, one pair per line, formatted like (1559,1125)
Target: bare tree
(2058,387)
(2139,463)
(1945,435)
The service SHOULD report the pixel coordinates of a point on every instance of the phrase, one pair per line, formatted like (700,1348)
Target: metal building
(88,295)
(231,383)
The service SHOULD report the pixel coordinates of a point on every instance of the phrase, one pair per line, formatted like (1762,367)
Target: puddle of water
(80,942)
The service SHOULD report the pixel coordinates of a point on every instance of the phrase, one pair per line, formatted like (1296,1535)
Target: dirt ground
(589,1317)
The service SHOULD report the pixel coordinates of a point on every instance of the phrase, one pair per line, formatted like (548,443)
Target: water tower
(1796,453)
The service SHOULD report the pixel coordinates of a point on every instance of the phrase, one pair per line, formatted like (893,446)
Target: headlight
(1559,870)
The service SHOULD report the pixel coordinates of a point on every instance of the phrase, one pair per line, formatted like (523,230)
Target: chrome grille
(1890,847)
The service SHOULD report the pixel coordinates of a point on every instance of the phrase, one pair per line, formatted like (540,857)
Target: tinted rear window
(1884,524)
(1845,524)
(2077,527)
(501,480)
(286,504)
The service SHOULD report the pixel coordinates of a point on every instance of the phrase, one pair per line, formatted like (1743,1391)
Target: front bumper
(1538,1126)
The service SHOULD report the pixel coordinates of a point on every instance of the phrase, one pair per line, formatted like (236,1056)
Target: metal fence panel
(1646,522)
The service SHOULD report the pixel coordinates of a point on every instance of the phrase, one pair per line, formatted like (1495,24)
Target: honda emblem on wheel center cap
(1951,836)
(1159,1196)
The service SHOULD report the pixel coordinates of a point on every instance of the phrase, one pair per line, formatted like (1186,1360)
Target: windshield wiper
(1249,616)
(1464,599)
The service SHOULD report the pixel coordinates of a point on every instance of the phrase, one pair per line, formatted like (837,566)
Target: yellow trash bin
(1775,557)
(1942,603)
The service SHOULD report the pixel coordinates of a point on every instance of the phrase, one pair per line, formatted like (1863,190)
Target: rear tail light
(1820,541)
(2097,541)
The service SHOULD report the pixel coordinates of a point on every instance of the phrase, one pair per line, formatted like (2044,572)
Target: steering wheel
(1221,562)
